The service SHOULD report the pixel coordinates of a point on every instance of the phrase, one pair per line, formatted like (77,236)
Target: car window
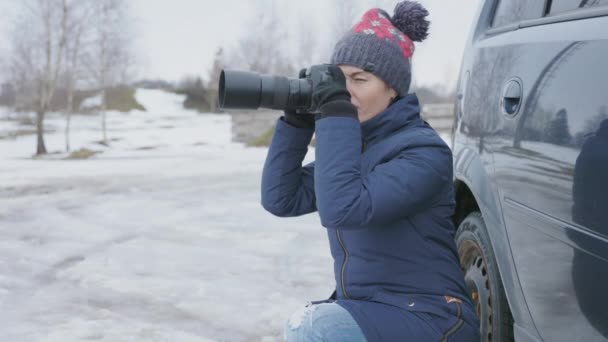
(560,6)
(512,11)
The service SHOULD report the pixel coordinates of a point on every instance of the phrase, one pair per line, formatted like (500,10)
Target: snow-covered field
(160,237)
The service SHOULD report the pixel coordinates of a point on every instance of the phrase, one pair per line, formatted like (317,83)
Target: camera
(250,90)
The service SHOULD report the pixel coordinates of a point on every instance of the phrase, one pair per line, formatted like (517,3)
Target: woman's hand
(332,96)
(300,120)
(331,88)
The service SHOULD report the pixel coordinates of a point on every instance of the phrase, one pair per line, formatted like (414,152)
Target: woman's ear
(394,97)
(394,93)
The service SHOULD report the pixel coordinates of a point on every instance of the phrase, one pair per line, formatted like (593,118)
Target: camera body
(250,90)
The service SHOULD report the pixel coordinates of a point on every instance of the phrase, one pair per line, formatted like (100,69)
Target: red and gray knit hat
(383,45)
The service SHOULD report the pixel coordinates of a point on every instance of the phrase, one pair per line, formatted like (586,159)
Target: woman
(382,185)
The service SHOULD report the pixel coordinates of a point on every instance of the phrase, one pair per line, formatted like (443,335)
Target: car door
(550,163)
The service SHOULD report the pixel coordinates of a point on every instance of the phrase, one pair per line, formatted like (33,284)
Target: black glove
(300,120)
(331,95)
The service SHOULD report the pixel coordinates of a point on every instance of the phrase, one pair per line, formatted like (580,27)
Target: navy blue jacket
(384,192)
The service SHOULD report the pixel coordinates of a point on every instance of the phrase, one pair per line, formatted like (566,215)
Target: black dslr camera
(250,90)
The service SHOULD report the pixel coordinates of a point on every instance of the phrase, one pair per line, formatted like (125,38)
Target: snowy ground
(158,238)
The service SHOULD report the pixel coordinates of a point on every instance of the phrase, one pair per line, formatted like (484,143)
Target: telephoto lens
(250,90)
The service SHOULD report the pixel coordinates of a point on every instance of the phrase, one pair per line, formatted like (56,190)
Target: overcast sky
(179,37)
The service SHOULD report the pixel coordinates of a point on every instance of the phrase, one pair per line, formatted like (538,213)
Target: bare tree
(263,47)
(344,16)
(38,52)
(387,5)
(309,48)
(214,76)
(216,68)
(79,27)
(109,56)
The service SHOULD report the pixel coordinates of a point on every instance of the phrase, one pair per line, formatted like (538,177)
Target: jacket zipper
(343,263)
(363,146)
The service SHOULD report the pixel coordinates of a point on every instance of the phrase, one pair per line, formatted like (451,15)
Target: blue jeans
(322,322)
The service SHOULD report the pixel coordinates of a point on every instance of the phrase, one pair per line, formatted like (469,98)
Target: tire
(483,280)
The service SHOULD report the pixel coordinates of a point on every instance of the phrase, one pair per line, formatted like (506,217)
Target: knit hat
(383,45)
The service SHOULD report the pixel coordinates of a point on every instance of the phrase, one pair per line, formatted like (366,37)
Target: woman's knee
(322,322)
(296,327)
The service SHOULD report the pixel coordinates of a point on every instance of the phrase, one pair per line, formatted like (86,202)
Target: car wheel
(483,279)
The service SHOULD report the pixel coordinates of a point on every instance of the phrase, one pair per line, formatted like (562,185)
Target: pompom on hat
(383,45)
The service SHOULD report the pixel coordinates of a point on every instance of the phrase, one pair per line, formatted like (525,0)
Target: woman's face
(369,94)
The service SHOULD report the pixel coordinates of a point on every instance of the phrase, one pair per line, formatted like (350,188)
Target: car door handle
(512,97)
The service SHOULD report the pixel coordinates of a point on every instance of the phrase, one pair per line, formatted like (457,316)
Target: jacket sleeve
(408,183)
(287,186)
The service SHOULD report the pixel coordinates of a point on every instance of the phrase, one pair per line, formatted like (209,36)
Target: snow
(92,102)
(159,237)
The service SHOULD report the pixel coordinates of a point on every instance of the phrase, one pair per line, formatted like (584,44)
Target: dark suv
(530,143)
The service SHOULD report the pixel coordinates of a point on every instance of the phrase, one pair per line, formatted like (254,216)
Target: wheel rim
(478,283)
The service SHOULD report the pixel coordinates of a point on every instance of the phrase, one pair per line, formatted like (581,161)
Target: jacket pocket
(415,303)
(456,326)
